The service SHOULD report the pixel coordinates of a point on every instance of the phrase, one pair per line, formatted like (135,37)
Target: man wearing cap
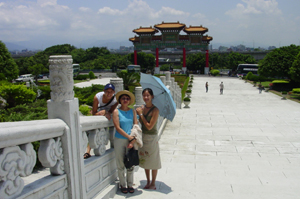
(104,104)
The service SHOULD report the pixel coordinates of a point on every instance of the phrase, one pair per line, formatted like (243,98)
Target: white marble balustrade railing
(17,157)
(63,139)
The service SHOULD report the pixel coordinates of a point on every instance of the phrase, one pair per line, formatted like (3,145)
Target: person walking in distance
(221,88)
(206,86)
(260,87)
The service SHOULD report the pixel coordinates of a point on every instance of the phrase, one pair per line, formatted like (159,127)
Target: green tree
(295,69)
(234,59)
(8,66)
(146,61)
(165,67)
(196,62)
(278,62)
(64,49)
(16,95)
(128,78)
(37,69)
(78,55)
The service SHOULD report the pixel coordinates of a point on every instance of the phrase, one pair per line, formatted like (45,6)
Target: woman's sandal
(124,190)
(130,189)
(86,156)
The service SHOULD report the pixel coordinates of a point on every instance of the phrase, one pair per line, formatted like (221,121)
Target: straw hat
(126,92)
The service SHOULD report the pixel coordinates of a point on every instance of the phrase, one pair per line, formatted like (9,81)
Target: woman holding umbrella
(149,153)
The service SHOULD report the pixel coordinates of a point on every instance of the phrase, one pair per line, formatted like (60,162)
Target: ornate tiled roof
(207,38)
(145,30)
(170,25)
(195,29)
(134,39)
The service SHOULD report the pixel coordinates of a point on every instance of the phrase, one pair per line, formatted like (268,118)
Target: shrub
(17,94)
(184,87)
(25,112)
(45,92)
(280,82)
(214,72)
(85,110)
(190,86)
(92,75)
(249,75)
(188,91)
(187,99)
(81,77)
(284,92)
(296,90)
(2,76)
(86,95)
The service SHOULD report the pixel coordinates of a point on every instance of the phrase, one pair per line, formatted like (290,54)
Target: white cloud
(44,3)
(171,11)
(255,7)
(258,20)
(109,11)
(84,9)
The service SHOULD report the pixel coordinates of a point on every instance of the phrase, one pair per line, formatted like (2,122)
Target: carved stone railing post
(138,97)
(173,83)
(168,78)
(118,83)
(65,151)
(163,79)
(119,86)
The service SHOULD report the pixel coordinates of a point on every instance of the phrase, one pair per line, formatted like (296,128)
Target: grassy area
(265,84)
(47,81)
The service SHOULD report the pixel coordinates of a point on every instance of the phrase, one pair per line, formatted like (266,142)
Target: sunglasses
(125,98)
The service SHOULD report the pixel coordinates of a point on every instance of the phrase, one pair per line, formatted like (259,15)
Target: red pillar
(157,65)
(184,58)
(207,58)
(135,57)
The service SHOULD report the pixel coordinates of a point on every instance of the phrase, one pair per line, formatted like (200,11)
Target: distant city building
(122,48)
(223,48)
(272,47)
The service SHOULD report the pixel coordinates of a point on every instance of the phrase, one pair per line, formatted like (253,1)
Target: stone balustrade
(63,139)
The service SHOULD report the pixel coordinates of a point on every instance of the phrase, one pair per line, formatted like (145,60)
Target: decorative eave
(170,25)
(207,38)
(145,30)
(195,29)
(134,39)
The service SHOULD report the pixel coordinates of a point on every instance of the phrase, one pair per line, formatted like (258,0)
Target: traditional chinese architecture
(170,37)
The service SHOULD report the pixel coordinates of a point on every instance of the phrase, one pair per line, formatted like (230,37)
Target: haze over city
(38,24)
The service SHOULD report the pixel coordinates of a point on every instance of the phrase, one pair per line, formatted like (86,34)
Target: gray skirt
(149,153)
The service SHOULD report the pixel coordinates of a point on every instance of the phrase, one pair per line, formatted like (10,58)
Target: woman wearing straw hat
(124,118)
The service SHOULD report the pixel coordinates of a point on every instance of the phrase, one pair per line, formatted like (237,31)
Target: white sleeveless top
(100,97)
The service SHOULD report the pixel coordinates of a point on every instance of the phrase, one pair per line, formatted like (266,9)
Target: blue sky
(230,22)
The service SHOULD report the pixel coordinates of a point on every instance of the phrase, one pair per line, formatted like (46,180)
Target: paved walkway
(239,145)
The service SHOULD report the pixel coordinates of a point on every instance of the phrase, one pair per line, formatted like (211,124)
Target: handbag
(131,158)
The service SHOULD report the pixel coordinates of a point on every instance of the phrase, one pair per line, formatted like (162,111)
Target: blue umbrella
(162,96)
